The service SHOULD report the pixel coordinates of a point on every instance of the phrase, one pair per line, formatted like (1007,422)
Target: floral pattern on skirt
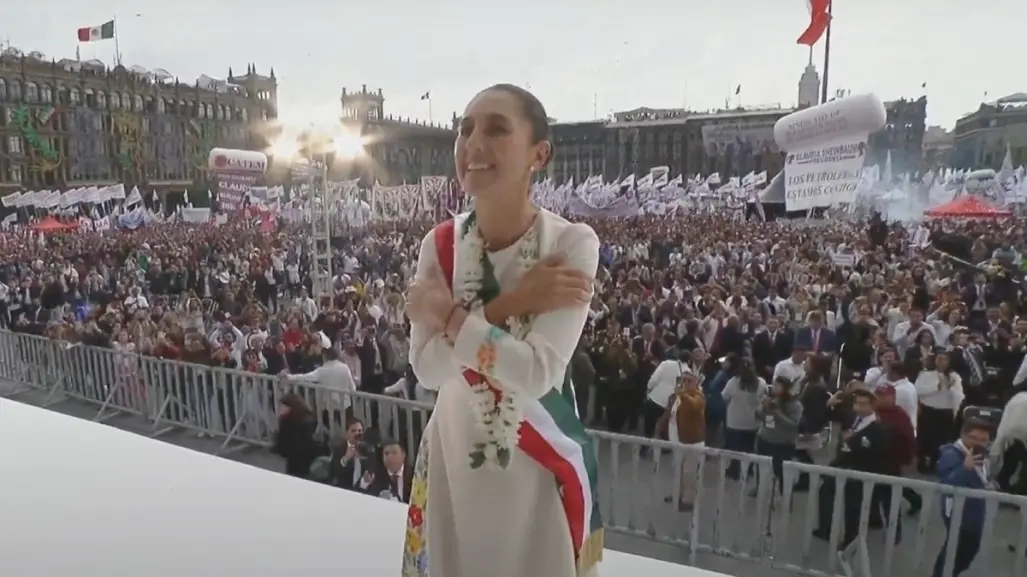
(415,549)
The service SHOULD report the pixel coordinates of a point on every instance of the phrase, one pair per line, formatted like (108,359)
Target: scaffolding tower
(320,203)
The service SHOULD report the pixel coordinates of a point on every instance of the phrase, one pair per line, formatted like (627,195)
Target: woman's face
(941,362)
(494,151)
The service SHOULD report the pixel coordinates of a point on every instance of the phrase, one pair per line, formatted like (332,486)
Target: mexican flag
(104,31)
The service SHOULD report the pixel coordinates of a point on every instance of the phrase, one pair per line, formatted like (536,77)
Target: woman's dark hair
(818,369)
(533,111)
(747,377)
(942,353)
(297,406)
(685,356)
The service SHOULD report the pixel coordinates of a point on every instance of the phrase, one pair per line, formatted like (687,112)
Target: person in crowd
(336,389)
(352,459)
(409,424)
(743,394)
(583,375)
(964,464)
(905,391)
(686,417)
(779,414)
(939,390)
(817,337)
(812,393)
(863,448)
(901,441)
(664,381)
(792,368)
(393,479)
(295,440)
(771,346)
(718,374)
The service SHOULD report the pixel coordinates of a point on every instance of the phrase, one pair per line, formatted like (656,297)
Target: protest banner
(826,148)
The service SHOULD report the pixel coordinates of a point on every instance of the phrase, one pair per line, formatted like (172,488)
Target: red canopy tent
(51,224)
(968,206)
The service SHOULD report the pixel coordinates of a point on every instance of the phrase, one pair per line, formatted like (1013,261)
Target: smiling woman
(497,308)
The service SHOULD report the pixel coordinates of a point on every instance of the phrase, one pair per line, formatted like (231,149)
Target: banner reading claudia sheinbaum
(826,149)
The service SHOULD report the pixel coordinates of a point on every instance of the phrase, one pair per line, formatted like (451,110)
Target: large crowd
(751,336)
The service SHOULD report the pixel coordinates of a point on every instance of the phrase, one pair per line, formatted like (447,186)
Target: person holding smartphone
(964,464)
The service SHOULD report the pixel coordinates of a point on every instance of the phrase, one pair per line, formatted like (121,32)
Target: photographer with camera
(353,460)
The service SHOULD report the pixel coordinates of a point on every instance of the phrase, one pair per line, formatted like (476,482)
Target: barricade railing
(688,497)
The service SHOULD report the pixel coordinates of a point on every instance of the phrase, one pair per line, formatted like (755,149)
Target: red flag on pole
(819,20)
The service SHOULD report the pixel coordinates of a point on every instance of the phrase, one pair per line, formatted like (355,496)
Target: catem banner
(826,149)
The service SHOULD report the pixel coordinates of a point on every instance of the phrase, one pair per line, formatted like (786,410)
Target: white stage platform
(79,498)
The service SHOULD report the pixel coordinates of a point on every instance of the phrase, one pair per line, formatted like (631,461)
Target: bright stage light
(348,145)
(284,148)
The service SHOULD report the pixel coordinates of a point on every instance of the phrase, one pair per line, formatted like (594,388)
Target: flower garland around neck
(498,412)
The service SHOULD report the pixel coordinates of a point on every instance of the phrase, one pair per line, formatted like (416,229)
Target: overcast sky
(581,57)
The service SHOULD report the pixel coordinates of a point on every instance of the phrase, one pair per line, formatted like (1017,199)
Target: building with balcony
(731,142)
(72,123)
(980,139)
(902,135)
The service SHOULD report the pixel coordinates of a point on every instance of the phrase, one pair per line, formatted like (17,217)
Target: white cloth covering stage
(79,498)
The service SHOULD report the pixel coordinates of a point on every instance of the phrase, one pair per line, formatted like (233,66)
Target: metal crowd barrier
(756,519)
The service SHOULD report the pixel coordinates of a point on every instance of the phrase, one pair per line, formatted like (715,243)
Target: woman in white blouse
(940,393)
(944,320)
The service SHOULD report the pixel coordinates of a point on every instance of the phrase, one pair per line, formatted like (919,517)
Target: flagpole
(117,44)
(827,52)
(429,109)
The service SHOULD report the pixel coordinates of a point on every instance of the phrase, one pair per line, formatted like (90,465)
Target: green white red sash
(552,434)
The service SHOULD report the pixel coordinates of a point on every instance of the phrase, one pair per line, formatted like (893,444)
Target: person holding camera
(779,414)
(964,464)
(353,460)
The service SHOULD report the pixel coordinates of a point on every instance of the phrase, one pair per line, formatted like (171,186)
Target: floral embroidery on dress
(415,549)
(486,358)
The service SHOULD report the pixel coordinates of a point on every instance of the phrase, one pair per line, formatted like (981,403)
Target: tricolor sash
(553,435)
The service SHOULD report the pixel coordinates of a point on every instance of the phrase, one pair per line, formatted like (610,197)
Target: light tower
(310,155)
(320,204)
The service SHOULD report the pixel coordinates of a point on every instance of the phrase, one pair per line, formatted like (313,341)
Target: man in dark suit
(372,367)
(634,314)
(864,447)
(771,347)
(393,479)
(817,338)
(352,461)
(978,298)
(650,352)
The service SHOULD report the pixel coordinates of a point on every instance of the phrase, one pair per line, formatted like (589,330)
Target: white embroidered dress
(486,522)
